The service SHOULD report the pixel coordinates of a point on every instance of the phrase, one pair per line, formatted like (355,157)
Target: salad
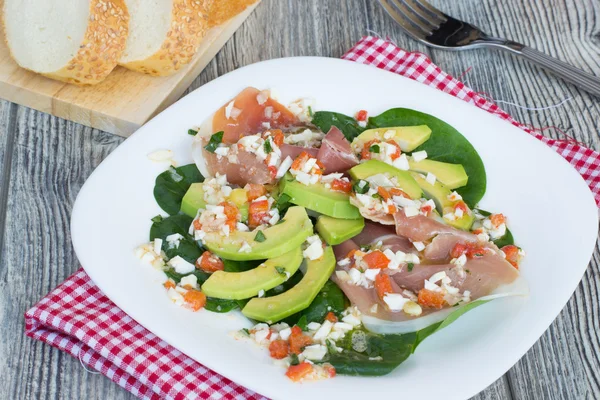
(345,240)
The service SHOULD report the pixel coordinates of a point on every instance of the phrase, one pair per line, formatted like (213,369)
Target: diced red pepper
(279,349)
(330,369)
(376,259)
(429,298)
(512,255)
(399,192)
(362,115)
(398,151)
(298,342)
(497,219)
(461,205)
(300,160)
(195,299)
(208,262)
(331,317)
(341,185)
(169,284)
(383,193)
(297,372)
(254,191)
(366,153)
(383,285)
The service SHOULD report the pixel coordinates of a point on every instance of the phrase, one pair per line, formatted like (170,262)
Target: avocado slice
(374,167)
(320,199)
(291,232)
(193,200)
(439,194)
(275,308)
(336,230)
(451,175)
(242,285)
(407,137)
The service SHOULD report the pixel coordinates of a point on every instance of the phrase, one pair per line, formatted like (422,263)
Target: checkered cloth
(78,318)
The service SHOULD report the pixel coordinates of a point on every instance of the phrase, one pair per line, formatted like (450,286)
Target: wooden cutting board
(124,100)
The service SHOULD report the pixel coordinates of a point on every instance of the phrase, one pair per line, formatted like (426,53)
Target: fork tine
(412,29)
(424,18)
(434,12)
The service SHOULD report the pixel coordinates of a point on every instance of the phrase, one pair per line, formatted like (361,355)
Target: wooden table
(44,161)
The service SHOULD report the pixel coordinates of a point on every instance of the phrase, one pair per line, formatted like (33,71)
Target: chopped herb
(310,111)
(282,202)
(260,237)
(374,148)
(267,146)
(302,322)
(280,270)
(377,196)
(410,266)
(280,221)
(331,347)
(365,248)
(158,218)
(467,271)
(214,141)
(361,187)
(294,359)
(192,132)
(246,331)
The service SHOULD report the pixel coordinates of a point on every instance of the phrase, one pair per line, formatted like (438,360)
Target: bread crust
(189,24)
(102,46)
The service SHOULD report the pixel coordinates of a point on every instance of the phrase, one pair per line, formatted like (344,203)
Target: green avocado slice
(336,230)
(320,199)
(407,137)
(451,175)
(242,285)
(193,200)
(275,308)
(291,232)
(439,194)
(374,167)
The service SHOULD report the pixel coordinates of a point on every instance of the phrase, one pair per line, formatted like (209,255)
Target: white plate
(552,215)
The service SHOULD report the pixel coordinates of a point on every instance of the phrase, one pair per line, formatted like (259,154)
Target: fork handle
(569,73)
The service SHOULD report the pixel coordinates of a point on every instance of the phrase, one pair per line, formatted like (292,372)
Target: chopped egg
(174,240)
(314,352)
(401,163)
(285,333)
(419,246)
(419,155)
(395,301)
(181,266)
(431,178)
(323,331)
(245,248)
(189,280)
(315,249)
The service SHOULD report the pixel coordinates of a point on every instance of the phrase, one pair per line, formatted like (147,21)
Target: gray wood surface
(45,160)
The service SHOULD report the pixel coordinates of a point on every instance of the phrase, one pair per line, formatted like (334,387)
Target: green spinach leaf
(330,298)
(324,120)
(171,185)
(446,144)
(214,142)
(241,266)
(505,240)
(188,248)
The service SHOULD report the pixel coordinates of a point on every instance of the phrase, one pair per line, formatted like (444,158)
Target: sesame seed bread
(164,34)
(72,41)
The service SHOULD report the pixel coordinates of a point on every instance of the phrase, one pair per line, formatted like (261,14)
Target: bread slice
(164,35)
(73,41)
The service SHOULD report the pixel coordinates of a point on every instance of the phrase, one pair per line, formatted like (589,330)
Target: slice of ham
(421,228)
(371,232)
(335,152)
(248,115)
(248,169)
(294,151)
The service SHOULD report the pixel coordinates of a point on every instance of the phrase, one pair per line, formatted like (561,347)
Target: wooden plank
(124,100)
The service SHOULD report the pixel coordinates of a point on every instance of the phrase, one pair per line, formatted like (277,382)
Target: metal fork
(432,27)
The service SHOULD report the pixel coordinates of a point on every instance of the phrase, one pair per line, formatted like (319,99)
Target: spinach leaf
(505,240)
(200,275)
(220,305)
(330,298)
(376,355)
(192,132)
(188,248)
(370,354)
(285,286)
(446,144)
(324,120)
(171,185)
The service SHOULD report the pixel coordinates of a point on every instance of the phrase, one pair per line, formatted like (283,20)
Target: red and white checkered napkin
(78,318)
(386,55)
